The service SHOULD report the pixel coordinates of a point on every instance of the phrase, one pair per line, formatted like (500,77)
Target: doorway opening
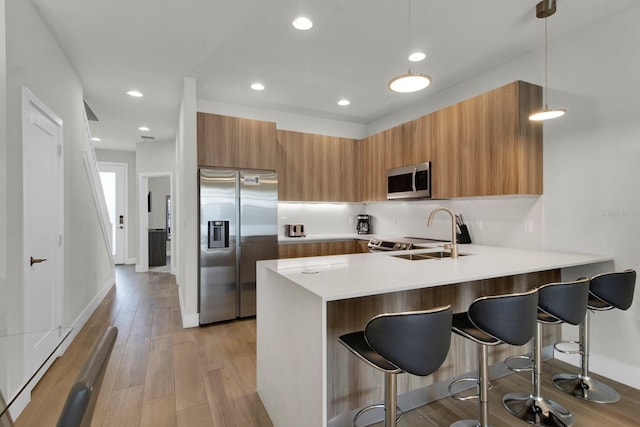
(114,178)
(156,223)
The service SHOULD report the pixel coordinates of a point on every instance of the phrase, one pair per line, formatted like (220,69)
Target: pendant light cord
(546,84)
(409,19)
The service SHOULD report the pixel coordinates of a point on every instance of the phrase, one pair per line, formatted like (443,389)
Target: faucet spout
(453,246)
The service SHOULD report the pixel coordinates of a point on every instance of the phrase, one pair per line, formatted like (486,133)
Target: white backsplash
(320,218)
(496,221)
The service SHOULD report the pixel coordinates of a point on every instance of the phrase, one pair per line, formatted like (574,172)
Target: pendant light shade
(544,9)
(547,114)
(409,82)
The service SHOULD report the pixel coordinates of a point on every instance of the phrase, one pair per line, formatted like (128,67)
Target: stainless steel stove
(387,245)
(401,244)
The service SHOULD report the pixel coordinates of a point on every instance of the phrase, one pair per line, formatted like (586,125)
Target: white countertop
(349,276)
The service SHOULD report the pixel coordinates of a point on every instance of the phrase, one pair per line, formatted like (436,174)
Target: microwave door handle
(413,181)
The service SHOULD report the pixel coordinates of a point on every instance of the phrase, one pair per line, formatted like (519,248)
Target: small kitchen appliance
(294,230)
(409,182)
(364,224)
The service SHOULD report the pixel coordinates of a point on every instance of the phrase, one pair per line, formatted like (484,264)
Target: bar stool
(416,342)
(557,303)
(607,291)
(491,321)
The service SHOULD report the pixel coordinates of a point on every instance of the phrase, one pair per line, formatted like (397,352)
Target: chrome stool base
(469,423)
(537,411)
(586,388)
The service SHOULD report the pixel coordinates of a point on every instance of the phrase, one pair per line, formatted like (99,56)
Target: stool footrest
(508,360)
(556,346)
(457,396)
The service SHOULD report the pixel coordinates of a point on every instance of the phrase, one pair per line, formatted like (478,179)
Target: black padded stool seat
(557,303)
(606,292)
(491,321)
(415,342)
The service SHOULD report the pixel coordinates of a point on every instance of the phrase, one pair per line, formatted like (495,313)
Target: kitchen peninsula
(305,378)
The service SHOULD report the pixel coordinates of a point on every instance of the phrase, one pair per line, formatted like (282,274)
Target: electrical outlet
(528,226)
(478,225)
(351,220)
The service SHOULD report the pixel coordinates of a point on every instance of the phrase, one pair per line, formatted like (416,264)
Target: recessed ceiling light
(135,93)
(257,86)
(302,23)
(96,139)
(417,56)
(143,129)
(344,102)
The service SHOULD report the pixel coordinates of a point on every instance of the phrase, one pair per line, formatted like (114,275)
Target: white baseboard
(617,371)
(24,397)
(139,269)
(188,320)
(130,261)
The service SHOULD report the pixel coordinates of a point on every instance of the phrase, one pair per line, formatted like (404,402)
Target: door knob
(37,260)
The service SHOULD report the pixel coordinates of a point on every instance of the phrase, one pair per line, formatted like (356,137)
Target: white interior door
(114,184)
(43,203)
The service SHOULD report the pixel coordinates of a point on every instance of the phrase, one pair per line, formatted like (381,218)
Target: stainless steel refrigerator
(238,226)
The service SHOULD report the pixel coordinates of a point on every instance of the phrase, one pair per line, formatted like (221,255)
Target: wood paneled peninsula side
(304,304)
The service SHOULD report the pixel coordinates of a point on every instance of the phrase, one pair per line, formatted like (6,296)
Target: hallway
(159,373)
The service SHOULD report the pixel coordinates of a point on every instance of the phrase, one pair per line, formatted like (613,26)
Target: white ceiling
(353,50)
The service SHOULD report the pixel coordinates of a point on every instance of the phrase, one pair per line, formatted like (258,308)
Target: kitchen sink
(424,256)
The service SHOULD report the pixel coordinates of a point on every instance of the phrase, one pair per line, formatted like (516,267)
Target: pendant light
(544,9)
(409,82)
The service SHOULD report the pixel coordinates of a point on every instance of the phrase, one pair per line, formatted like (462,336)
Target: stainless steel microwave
(409,182)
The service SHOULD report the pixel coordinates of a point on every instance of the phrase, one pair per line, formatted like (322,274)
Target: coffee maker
(364,226)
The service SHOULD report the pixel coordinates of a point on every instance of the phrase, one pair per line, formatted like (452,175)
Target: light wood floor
(159,374)
(163,375)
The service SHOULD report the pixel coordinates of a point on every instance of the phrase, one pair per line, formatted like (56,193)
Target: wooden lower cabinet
(338,247)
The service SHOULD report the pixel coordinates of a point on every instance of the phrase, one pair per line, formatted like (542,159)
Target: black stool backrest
(416,342)
(615,288)
(510,318)
(81,400)
(566,301)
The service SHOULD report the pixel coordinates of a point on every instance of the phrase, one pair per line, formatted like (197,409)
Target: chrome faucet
(452,247)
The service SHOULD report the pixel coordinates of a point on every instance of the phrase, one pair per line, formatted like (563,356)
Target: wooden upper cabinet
(482,146)
(316,167)
(235,142)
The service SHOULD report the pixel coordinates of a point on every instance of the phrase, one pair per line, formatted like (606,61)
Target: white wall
(34,60)
(128,157)
(3,199)
(185,233)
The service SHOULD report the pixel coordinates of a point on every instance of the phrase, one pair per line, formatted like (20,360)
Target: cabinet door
(234,142)
(373,167)
(218,140)
(257,144)
(316,167)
